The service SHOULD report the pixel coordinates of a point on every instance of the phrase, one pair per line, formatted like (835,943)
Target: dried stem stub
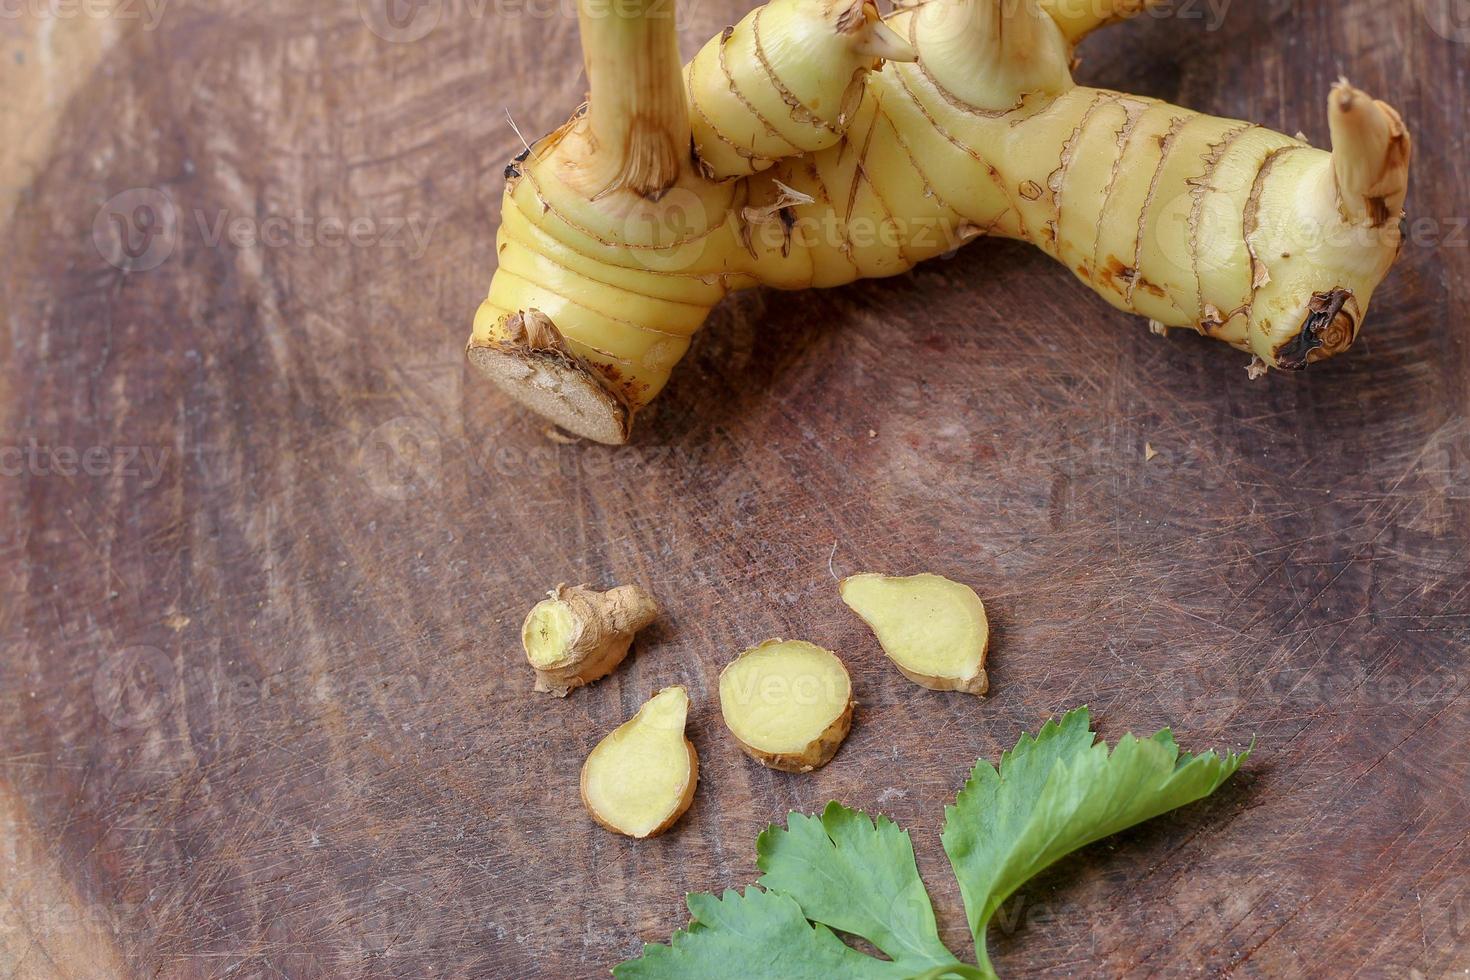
(1371,149)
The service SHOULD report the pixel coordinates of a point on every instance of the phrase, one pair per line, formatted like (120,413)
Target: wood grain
(262,710)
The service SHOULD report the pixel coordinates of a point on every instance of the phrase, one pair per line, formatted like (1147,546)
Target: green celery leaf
(850,874)
(756,936)
(1053,793)
(1058,792)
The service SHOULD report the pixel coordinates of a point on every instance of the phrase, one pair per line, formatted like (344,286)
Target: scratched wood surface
(266,544)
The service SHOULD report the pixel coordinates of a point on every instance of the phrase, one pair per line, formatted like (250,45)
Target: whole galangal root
(815,143)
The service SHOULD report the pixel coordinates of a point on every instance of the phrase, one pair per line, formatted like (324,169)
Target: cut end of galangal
(788,703)
(550,633)
(934,630)
(533,364)
(641,777)
(578,635)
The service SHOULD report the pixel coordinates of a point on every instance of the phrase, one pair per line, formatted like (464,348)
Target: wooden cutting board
(262,706)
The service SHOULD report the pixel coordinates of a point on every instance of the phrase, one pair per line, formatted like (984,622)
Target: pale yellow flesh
(781,697)
(548,632)
(926,624)
(637,777)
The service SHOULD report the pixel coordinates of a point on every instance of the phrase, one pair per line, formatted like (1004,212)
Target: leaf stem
(964,971)
(636,105)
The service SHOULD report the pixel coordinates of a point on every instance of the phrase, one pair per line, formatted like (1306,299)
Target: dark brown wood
(262,705)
